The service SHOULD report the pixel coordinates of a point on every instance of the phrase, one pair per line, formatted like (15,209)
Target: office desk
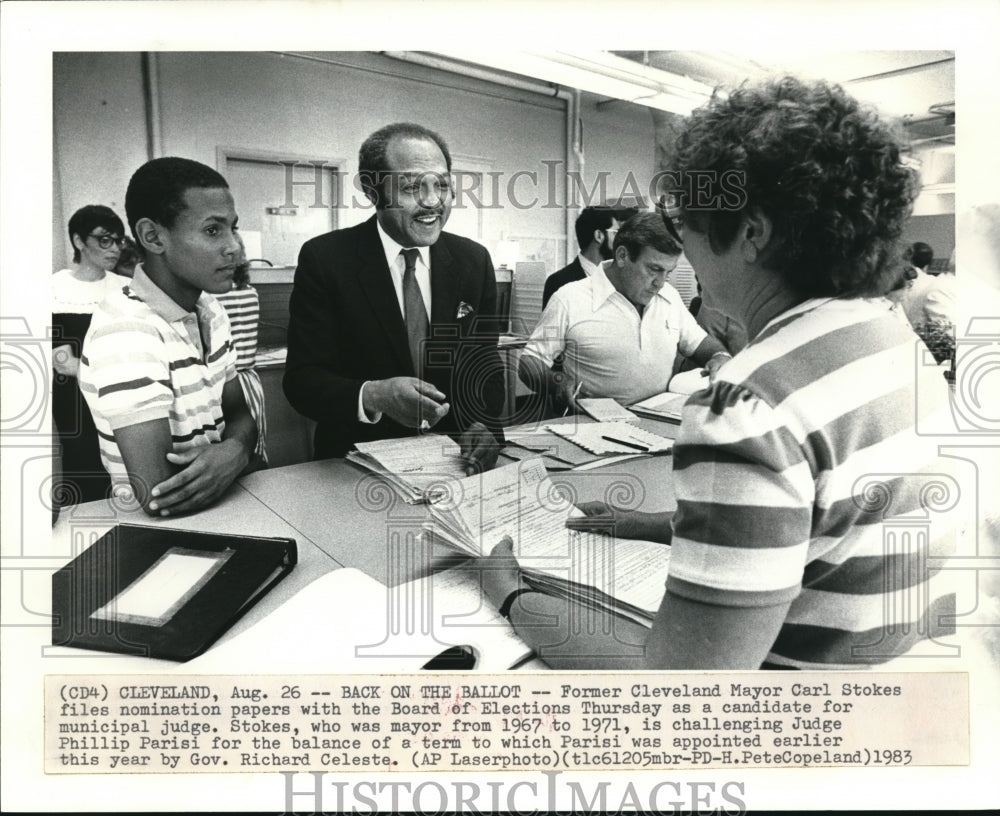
(338,514)
(360,522)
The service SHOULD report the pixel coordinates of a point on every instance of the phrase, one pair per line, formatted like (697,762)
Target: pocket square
(464,310)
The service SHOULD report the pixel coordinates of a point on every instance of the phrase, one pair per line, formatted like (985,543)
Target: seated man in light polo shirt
(618,331)
(158,367)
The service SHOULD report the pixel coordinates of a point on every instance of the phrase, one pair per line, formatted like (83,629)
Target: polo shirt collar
(392,248)
(159,301)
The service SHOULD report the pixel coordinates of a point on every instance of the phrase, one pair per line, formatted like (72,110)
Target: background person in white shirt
(618,331)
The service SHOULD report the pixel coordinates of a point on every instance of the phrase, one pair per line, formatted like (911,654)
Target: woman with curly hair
(791,199)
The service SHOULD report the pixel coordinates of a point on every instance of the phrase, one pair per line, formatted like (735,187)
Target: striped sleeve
(222,352)
(745,493)
(125,373)
(243,308)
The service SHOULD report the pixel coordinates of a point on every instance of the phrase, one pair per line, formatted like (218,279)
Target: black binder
(160,592)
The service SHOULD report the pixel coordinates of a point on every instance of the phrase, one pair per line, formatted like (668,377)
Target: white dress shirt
(397,266)
(609,349)
(589,267)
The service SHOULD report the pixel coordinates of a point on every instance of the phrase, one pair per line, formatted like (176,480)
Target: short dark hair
(825,170)
(156,190)
(86,219)
(599,218)
(373,166)
(592,218)
(645,229)
(921,254)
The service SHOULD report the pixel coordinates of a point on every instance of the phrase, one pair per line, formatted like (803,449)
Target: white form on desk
(333,625)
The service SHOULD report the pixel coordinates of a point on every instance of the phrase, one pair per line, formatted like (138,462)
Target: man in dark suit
(393,323)
(595,234)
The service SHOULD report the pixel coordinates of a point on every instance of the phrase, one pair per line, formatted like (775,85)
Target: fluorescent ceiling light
(599,73)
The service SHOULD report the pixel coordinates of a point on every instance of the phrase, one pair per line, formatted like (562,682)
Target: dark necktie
(414,312)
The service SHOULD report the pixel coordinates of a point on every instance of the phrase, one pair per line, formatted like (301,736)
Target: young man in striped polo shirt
(158,367)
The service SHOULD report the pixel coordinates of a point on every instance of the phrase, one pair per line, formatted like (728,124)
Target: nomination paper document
(520,501)
(412,465)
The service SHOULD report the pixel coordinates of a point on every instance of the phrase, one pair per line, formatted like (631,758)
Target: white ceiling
(902,84)
(916,87)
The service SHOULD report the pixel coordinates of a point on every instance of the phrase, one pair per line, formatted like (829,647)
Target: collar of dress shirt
(603,288)
(589,268)
(392,249)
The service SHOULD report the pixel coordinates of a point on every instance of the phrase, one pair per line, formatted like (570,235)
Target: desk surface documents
(521,501)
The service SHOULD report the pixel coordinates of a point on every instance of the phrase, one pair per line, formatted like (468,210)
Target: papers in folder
(520,501)
(414,466)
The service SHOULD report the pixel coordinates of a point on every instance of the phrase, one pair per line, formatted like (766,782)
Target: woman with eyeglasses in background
(97,235)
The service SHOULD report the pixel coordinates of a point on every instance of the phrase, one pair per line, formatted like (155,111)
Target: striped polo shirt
(243,308)
(800,477)
(146,358)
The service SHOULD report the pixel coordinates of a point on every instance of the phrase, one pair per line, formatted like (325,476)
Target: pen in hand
(576,393)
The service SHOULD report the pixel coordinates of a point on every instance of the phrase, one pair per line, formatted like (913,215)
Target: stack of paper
(605,409)
(415,466)
(520,501)
(661,406)
(688,382)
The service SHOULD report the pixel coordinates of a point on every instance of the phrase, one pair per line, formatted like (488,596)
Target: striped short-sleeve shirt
(800,476)
(243,308)
(146,358)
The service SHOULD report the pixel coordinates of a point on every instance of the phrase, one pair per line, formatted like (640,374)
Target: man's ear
(78,243)
(149,234)
(621,255)
(756,234)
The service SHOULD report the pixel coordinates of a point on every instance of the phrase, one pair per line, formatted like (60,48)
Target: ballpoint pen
(576,393)
(627,444)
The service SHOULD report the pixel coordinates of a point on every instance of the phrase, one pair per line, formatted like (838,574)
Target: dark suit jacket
(346,327)
(557,280)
